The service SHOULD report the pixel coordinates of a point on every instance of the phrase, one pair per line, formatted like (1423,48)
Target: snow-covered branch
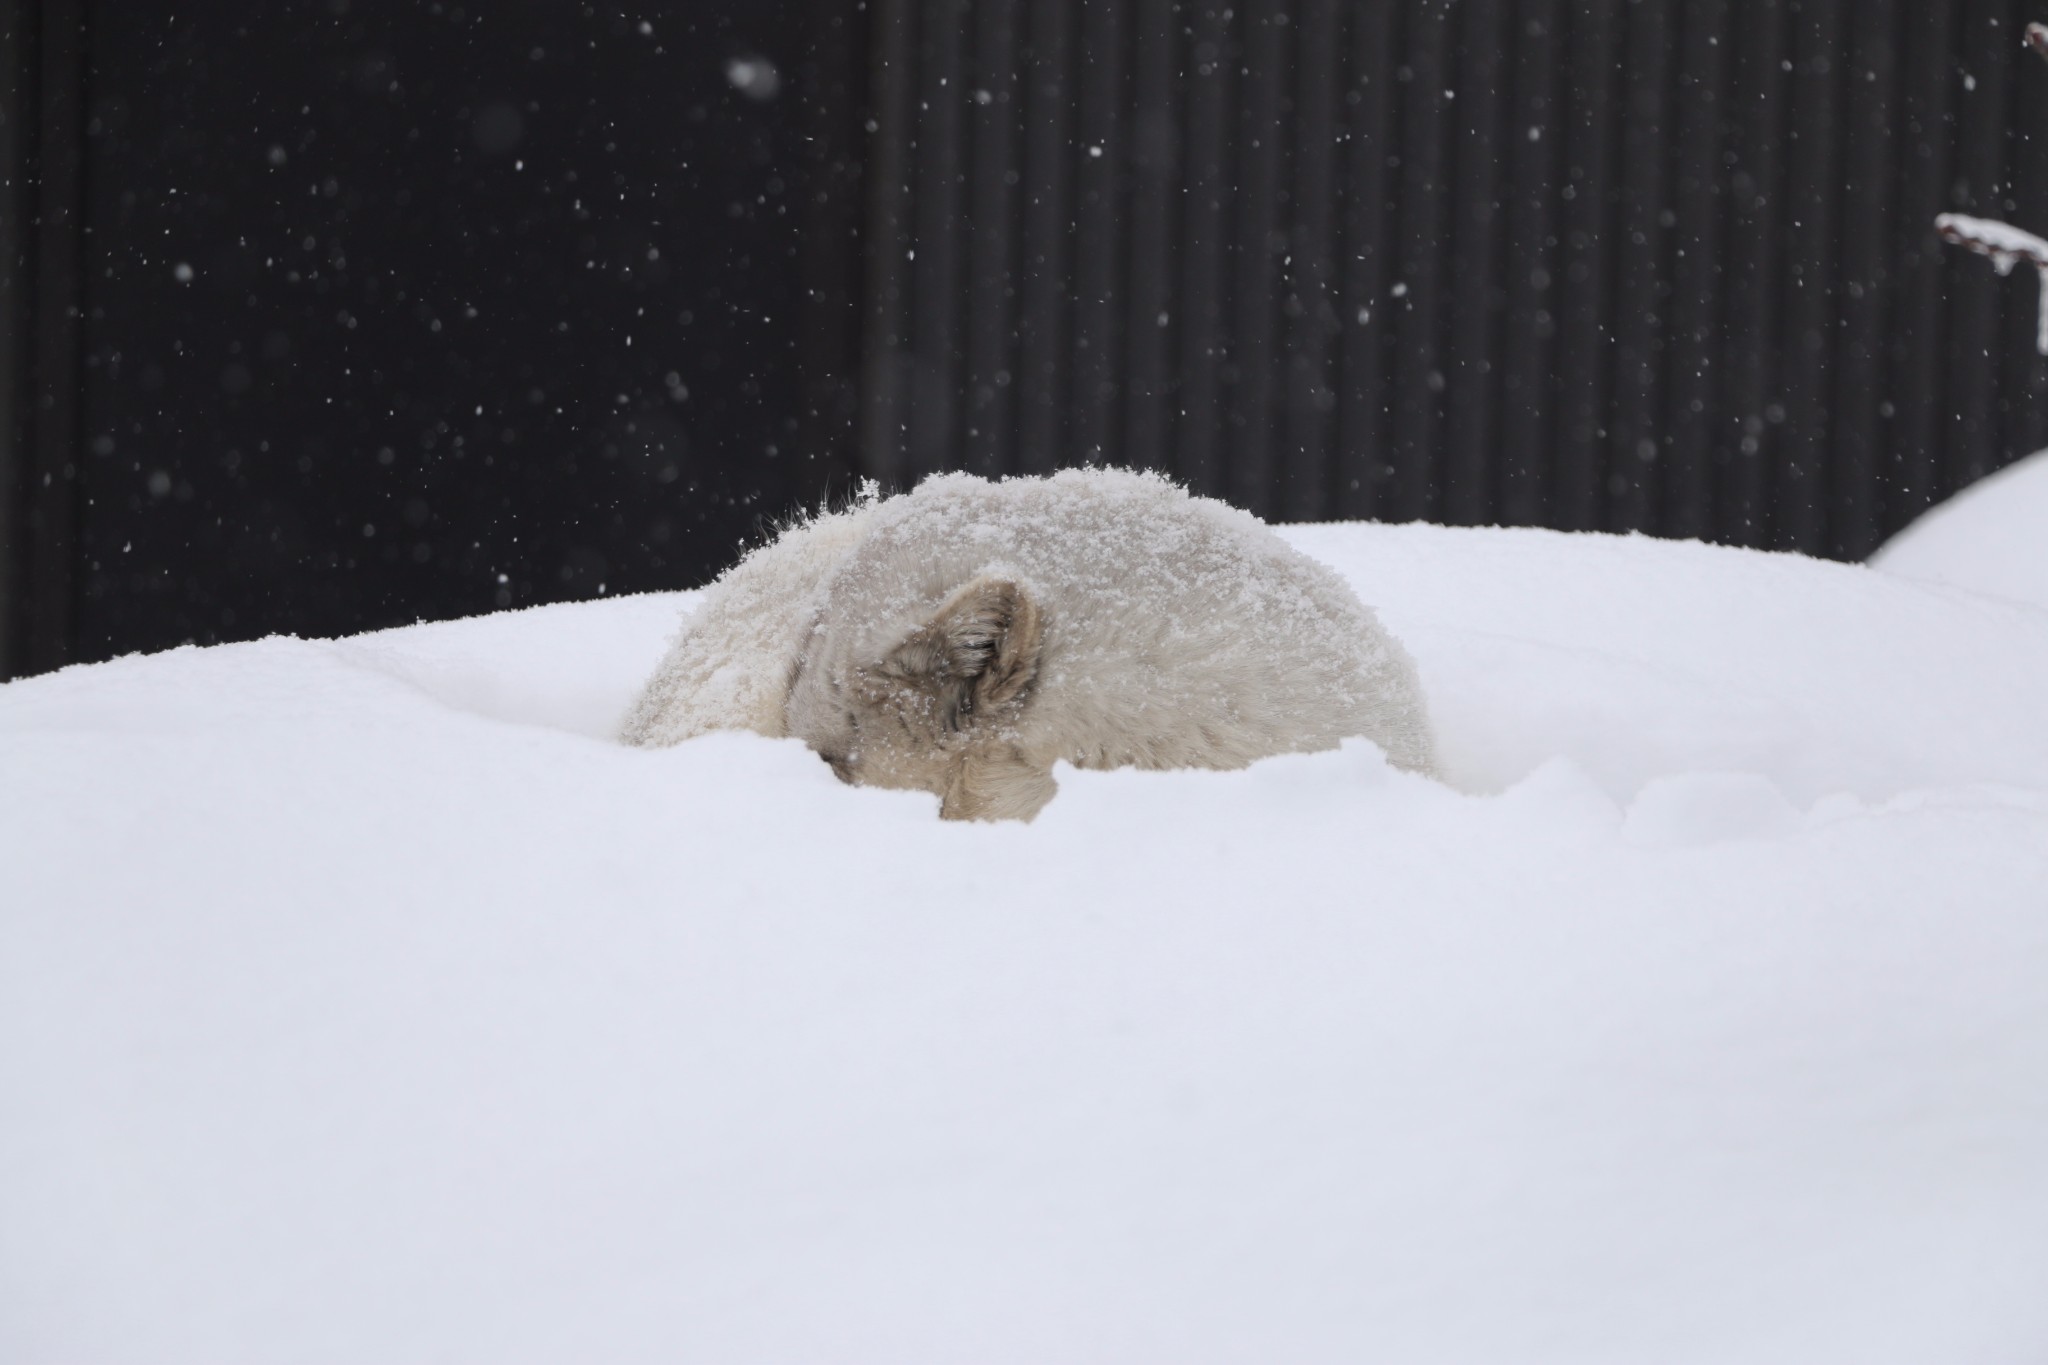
(2005,244)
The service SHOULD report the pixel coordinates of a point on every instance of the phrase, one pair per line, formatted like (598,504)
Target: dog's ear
(978,651)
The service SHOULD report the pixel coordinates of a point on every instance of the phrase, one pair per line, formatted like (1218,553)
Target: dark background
(330,314)
(394,310)
(401,306)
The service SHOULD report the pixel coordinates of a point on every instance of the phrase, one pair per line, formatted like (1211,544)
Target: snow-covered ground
(359,1000)
(1991,537)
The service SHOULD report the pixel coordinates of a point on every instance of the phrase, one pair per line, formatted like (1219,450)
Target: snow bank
(1990,538)
(362,1000)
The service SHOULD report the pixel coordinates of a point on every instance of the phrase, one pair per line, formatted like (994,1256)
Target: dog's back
(1178,631)
(965,637)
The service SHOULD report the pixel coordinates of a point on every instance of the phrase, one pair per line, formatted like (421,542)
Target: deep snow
(1991,538)
(363,1000)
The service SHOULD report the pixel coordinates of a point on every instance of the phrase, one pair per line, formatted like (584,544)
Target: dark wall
(1658,265)
(42,241)
(328,314)
(398,310)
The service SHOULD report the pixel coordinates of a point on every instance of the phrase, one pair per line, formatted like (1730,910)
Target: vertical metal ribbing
(1587,303)
(828,333)
(47,289)
(989,440)
(1150,327)
(936,273)
(885,335)
(1987,51)
(1693,387)
(1420,314)
(1367,242)
(17,209)
(2023,390)
(1205,226)
(1477,249)
(1101,154)
(1043,318)
(1754,232)
(1636,431)
(1309,301)
(1536,136)
(1625,264)
(1924,149)
(1858,447)
(1813,181)
(1261,243)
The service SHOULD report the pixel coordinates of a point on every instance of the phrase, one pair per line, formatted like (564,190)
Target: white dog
(963,638)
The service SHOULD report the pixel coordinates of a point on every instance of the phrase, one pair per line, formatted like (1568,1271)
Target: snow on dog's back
(1164,631)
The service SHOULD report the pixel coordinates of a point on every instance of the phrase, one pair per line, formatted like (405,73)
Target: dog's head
(936,709)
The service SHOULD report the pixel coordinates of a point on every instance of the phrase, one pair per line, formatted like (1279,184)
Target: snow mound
(1638,659)
(362,1000)
(1990,538)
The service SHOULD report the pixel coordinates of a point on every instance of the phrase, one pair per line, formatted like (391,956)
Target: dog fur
(963,638)
(730,667)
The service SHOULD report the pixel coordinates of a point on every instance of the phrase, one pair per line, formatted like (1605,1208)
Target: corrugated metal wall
(1659,265)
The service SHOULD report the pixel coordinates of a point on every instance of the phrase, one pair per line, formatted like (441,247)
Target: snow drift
(362,1000)
(1991,538)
